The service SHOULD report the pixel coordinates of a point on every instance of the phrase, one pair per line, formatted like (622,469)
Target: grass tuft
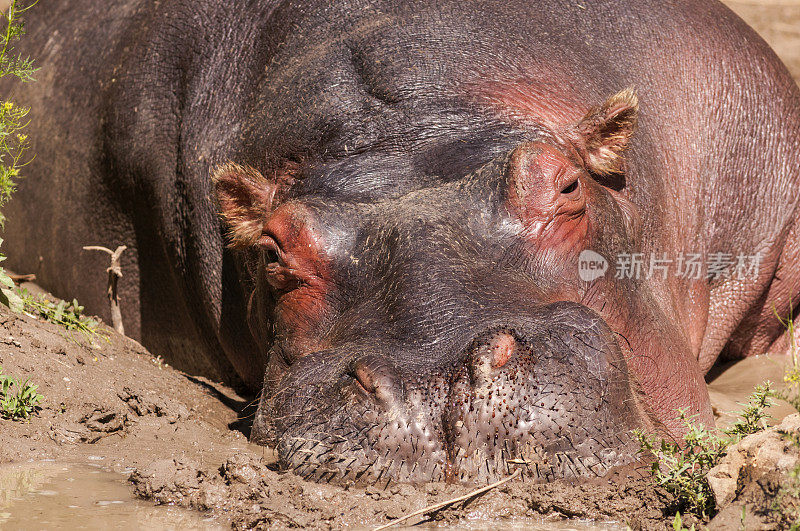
(681,467)
(18,400)
(67,314)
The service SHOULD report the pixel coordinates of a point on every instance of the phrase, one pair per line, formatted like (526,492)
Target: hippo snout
(549,392)
(554,397)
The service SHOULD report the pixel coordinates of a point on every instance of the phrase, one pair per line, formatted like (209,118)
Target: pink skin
(502,347)
(292,264)
(300,279)
(560,225)
(553,219)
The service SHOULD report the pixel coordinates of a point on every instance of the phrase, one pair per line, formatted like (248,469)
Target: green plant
(753,417)
(791,393)
(681,467)
(67,314)
(17,400)
(677,523)
(13,142)
(8,296)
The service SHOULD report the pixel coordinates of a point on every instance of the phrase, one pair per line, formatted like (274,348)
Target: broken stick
(442,505)
(21,278)
(114,274)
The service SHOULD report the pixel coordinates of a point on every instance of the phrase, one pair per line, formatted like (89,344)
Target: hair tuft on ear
(245,198)
(606,130)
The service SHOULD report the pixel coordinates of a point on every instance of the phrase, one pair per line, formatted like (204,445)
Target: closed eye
(281,277)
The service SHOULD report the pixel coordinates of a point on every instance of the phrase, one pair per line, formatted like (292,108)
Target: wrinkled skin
(405,194)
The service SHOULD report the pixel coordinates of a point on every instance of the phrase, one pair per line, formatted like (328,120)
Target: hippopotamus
(443,239)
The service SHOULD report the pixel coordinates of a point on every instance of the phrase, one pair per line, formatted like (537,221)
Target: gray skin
(406,192)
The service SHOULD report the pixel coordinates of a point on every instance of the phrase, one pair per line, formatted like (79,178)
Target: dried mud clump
(253,495)
(758,478)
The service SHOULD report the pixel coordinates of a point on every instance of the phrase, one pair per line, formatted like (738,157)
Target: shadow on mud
(245,407)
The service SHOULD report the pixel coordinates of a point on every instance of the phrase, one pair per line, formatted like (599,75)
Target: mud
(731,384)
(756,485)
(114,411)
(257,497)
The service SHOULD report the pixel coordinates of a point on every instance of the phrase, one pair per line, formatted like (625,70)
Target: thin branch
(114,274)
(442,505)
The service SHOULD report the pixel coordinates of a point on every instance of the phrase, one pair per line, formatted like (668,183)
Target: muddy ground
(185,438)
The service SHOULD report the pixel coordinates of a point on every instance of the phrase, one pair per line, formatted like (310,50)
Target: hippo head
(450,330)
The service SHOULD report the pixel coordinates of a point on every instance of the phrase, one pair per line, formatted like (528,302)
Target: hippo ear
(605,131)
(245,198)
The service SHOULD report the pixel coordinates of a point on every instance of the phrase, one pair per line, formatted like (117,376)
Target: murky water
(736,383)
(49,495)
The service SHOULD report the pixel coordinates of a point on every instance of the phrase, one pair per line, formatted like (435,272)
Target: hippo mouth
(549,393)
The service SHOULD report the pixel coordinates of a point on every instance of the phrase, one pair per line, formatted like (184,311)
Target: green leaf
(9,298)
(14,301)
(57,316)
(677,523)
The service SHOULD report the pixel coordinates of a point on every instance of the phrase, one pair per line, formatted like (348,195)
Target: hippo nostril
(365,378)
(376,378)
(502,347)
(492,352)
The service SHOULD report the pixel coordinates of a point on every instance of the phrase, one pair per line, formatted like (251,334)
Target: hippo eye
(281,277)
(270,248)
(272,256)
(571,187)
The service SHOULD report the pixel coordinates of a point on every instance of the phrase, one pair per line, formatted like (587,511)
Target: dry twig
(442,505)
(114,274)
(21,278)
